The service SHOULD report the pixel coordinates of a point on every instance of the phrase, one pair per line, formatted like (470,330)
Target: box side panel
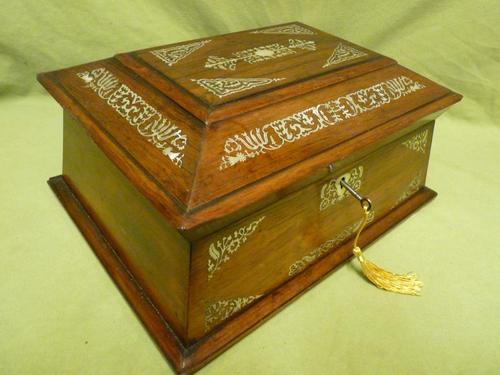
(155,253)
(163,139)
(237,265)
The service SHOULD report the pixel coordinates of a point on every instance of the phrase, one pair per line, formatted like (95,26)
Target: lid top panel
(225,68)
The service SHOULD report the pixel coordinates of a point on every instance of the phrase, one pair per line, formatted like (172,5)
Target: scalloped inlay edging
(229,86)
(418,142)
(220,251)
(274,135)
(287,29)
(343,53)
(218,311)
(258,54)
(332,192)
(157,128)
(325,247)
(172,55)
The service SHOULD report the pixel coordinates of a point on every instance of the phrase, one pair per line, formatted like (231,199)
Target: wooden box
(204,174)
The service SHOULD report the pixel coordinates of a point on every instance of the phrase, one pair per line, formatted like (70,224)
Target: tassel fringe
(407,283)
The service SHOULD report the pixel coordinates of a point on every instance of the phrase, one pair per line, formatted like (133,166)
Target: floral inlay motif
(220,251)
(258,54)
(287,29)
(415,185)
(418,142)
(228,86)
(332,192)
(172,55)
(217,312)
(343,53)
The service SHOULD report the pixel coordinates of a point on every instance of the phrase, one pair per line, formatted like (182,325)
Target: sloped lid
(222,76)
(205,158)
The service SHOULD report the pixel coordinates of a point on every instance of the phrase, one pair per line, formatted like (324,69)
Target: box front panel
(237,265)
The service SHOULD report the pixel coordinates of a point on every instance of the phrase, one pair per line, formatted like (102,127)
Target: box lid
(215,128)
(218,77)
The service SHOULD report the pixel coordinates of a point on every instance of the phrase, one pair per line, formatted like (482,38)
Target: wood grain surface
(213,206)
(186,359)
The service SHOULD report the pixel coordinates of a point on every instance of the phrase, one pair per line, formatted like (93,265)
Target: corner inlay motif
(343,53)
(324,248)
(157,128)
(418,142)
(220,251)
(172,55)
(258,54)
(287,29)
(219,311)
(229,86)
(415,185)
(332,192)
(274,135)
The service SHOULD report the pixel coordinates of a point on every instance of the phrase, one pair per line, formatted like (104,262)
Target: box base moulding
(188,359)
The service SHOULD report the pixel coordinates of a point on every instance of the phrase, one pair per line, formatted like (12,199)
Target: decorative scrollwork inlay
(343,53)
(228,86)
(220,251)
(287,29)
(418,142)
(218,311)
(274,135)
(157,128)
(172,55)
(324,248)
(415,185)
(332,192)
(258,54)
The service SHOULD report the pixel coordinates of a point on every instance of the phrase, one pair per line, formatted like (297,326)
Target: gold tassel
(404,284)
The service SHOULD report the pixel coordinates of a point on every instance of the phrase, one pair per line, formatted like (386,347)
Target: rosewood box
(205,174)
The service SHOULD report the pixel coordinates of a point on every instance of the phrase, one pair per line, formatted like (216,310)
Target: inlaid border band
(272,136)
(157,128)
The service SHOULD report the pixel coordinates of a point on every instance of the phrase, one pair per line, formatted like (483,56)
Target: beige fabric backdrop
(61,314)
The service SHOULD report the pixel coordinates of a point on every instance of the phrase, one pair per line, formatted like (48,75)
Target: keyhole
(340,189)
